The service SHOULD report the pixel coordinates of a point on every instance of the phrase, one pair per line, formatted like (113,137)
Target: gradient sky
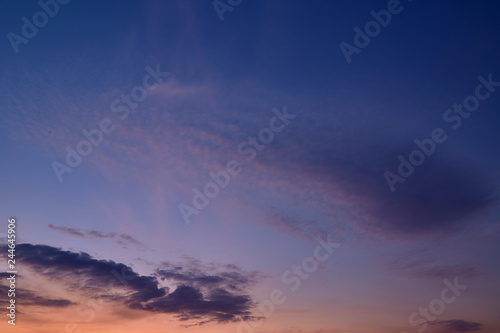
(107,249)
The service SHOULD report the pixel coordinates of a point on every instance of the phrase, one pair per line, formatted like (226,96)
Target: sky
(248,166)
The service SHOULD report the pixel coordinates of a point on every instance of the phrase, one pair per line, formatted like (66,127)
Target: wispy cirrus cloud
(438,199)
(123,239)
(293,225)
(425,265)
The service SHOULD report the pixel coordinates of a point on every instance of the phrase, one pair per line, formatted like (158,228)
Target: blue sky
(321,175)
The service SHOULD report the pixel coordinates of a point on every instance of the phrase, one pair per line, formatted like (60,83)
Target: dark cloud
(192,272)
(30,298)
(188,303)
(82,270)
(438,197)
(5,275)
(457,326)
(201,293)
(67,231)
(123,239)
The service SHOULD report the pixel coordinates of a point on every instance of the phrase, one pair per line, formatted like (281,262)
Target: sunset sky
(251,166)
